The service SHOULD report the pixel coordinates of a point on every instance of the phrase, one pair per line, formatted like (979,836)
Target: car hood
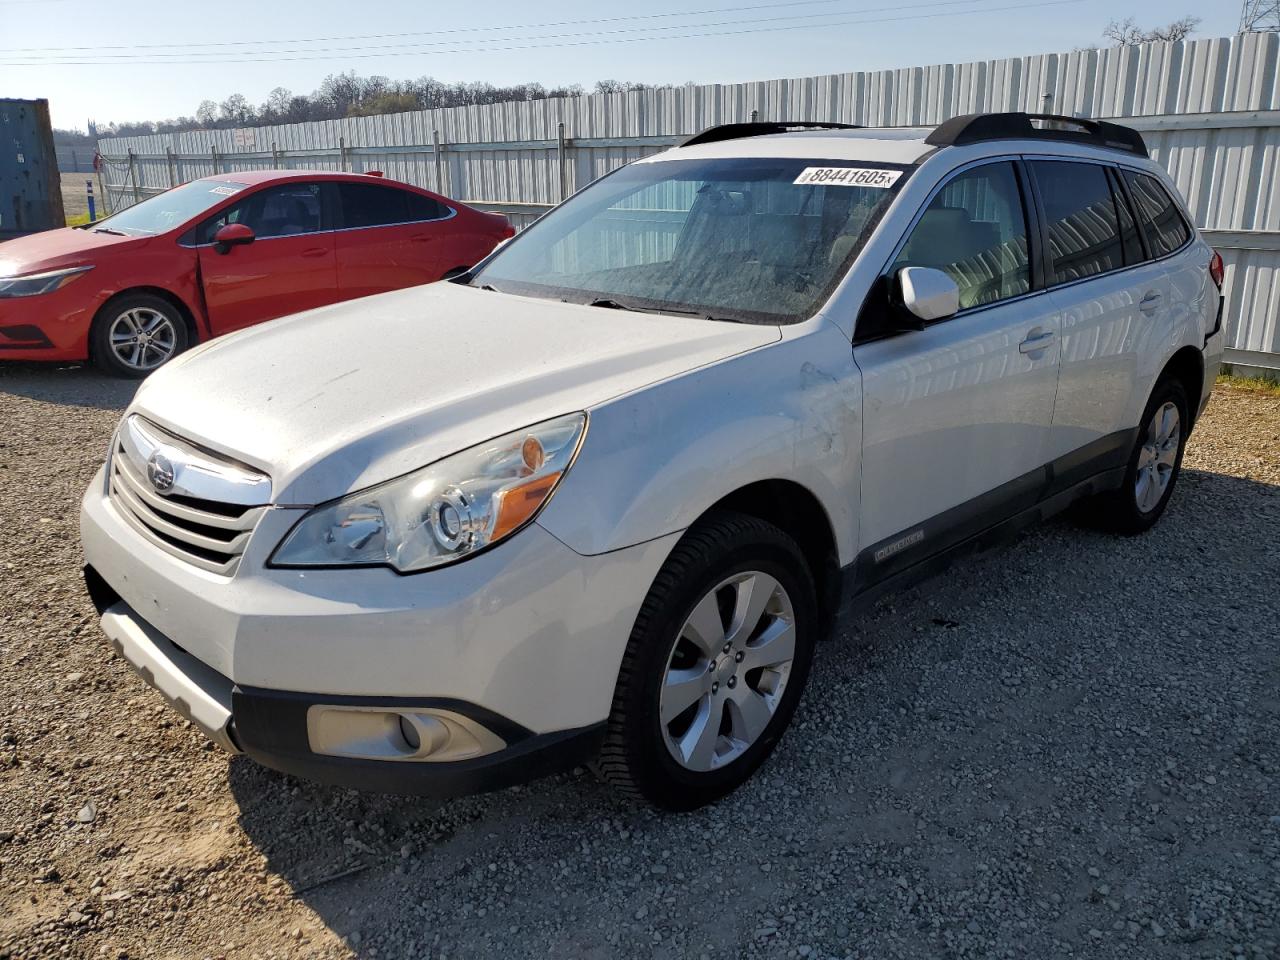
(52,249)
(346,396)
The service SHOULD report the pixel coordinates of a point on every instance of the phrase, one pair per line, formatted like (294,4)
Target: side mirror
(927,294)
(232,235)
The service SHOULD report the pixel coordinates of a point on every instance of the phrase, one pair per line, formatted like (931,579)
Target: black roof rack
(979,127)
(759,128)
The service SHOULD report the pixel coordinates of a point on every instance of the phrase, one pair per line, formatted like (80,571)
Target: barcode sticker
(848,177)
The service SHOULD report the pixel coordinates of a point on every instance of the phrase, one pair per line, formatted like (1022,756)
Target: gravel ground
(1070,747)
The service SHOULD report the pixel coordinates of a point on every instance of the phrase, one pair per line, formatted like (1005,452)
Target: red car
(225,252)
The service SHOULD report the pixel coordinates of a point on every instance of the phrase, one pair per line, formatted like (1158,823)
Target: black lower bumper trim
(24,337)
(271,727)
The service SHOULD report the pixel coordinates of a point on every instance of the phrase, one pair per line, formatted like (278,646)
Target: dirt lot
(1070,747)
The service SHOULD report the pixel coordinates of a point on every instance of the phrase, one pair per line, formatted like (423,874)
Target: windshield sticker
(226,191)
(848,177)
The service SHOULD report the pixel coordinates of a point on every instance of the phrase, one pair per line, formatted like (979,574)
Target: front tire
(715,665)
(1153,468)
(136,333)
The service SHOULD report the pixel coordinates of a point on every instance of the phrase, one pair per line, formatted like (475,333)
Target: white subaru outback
(597,499)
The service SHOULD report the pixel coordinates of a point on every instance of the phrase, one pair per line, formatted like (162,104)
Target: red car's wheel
(136,333)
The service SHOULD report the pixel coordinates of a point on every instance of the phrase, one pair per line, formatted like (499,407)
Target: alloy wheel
(142,338)
(1158,457)
(727,671)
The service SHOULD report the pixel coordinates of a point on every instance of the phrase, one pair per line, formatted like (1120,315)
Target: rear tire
(136,333)
(715,665)
(1154,465)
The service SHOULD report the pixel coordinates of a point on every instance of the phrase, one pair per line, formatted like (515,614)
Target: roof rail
(759,128)
(979,127)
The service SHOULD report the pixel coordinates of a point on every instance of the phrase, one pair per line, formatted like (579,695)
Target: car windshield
(753,240)
(173,208)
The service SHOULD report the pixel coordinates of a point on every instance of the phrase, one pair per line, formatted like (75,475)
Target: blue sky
(113,79)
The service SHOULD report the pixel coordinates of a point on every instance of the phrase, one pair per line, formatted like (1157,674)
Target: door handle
(1037,342)
(1151,302)
(315,252)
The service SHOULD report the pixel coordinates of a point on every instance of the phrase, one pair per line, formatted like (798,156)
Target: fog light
(390,733)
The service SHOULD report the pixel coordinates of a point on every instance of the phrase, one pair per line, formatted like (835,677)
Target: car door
(289,266)
(956,416)
(390,239)
(1114,302)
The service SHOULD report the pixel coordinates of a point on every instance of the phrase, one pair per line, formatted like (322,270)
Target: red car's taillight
(508,232)
(1216,270)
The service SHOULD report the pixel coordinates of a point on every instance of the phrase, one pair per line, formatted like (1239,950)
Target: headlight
(443,512)
(34,284)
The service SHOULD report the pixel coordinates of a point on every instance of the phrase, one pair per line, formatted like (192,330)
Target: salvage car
(134,290)
(602,507)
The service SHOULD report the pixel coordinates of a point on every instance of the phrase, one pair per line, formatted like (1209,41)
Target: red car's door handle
(424,238)
(316,252)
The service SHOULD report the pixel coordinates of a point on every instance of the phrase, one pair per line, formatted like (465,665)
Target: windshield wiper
(610,303)
(109,230)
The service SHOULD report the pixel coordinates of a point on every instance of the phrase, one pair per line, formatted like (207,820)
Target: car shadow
(563,865)
(68,384)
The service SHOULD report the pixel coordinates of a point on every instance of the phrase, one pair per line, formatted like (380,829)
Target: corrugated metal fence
(1209,109)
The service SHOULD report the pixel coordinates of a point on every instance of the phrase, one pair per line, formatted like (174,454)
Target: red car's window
(283,211)
(172,208)
(373,205)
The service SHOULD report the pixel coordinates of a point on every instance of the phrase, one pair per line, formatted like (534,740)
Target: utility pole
(1259,16)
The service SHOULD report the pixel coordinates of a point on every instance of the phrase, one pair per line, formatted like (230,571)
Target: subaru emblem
(160,472)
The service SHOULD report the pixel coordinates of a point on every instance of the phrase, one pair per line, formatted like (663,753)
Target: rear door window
(373,205)
(1081,219)
(1129,237)
(1166,229)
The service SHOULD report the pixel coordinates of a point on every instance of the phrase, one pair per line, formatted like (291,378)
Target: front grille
(209,533)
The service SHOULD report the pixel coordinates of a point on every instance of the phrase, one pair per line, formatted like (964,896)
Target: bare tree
(207,113)
(236,110)
(1126,33)
(278,101)
(620,86)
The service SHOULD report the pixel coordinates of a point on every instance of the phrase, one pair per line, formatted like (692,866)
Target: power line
(221,57)
(421,33)
(150,61)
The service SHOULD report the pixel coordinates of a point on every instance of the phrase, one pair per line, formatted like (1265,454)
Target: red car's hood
(57,248)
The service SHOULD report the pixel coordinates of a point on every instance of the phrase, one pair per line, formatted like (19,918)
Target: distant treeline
(341,95)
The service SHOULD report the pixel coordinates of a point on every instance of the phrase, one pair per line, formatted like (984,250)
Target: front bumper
(53,326)
(524,640)
(271,726)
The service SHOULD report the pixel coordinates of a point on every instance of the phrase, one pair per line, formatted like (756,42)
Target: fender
(655,460)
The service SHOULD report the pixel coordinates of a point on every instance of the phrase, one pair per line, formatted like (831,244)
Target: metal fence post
(213,152)
(438,160)
(173,171)
(343,165)
(562,160)
(133,176)
(102,191)
(275,156)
